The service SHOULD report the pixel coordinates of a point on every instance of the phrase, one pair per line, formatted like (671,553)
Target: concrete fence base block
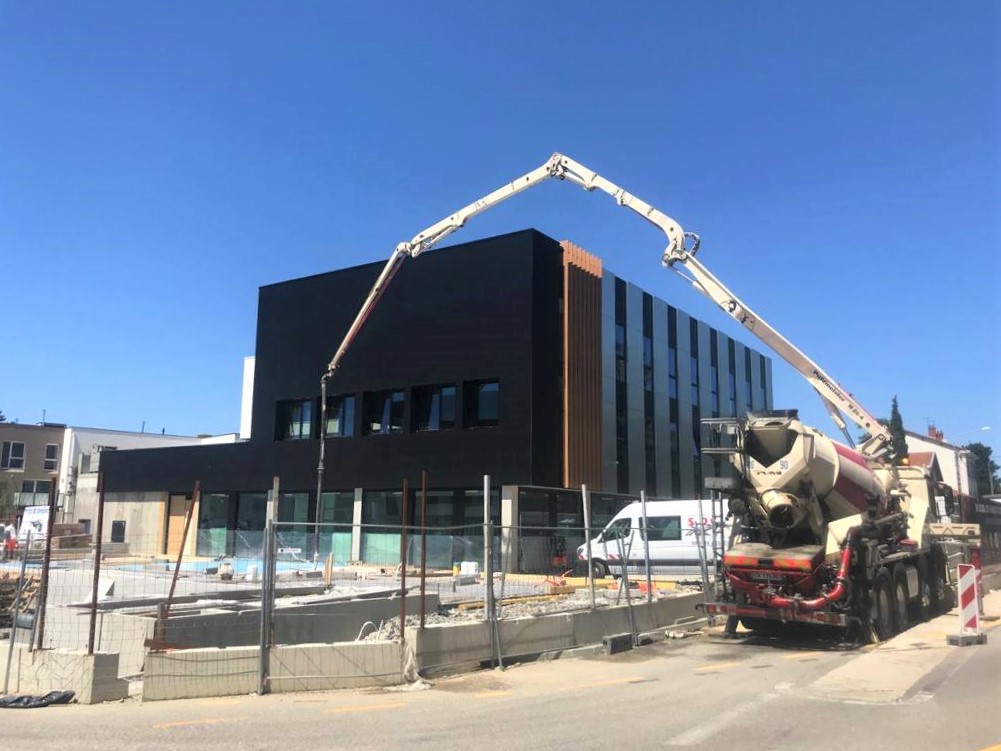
(92,678)
(617,643)
(965,640)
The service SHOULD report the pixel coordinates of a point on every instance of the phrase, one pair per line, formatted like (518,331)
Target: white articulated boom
(562,167)
(836,398)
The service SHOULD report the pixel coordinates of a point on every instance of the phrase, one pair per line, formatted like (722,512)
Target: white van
(670,532)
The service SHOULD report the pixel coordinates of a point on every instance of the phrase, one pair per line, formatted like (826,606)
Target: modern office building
(516,356)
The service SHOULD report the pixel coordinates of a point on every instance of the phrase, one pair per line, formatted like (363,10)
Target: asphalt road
(699,693)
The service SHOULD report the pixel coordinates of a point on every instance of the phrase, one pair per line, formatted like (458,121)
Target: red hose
(841,587)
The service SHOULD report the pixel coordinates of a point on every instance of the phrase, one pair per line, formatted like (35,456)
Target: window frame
(386,400)
(54,461)
(429,402)
(344,407)
(7,456)
(472,392)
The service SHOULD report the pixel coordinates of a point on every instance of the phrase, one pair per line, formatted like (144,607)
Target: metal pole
(97,562)
(700,537)
(646,546)
(624,554)
(586,499)
(424,538)
(17,608)
(267,600)
(489,589)
(43,590)
(403,561)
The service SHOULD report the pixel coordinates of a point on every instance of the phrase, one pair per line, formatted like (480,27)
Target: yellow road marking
(186,723)
(995,747)
(718,666)
(801,655)
(615,682)
(491,694)
(366,708)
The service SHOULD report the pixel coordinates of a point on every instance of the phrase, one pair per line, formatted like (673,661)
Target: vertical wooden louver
(581,367)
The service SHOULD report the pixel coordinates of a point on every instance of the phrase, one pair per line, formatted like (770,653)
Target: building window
(51,457)
(763,390)
(620,352)
(434,408)
(675,452)
(731,370)
(40,487)
(340,416)
(714,372)
(383,412)
(295,420)
(747,379)
(13,455)
(118,530)
(482,404)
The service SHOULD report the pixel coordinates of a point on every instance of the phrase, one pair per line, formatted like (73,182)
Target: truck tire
(882,605)
(599,570)
(901,598)
(924,603)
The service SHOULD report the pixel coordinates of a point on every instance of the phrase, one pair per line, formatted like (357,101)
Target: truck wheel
(900,599)
(882,605)
(598,569)
(923,606)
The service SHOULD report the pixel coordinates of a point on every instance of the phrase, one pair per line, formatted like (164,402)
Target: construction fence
(290,610)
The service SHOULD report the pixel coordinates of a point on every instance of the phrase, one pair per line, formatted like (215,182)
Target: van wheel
(599,569)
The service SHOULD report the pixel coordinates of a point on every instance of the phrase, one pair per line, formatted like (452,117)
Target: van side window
(663,528)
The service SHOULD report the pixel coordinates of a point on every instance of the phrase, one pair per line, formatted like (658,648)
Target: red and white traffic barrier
(969,609)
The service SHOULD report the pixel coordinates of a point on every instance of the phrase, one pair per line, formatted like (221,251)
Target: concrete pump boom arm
(836,398)
(558,166)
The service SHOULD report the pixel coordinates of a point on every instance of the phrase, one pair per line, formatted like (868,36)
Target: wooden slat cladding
(581,367)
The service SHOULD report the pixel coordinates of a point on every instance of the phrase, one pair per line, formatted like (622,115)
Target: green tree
(2,418)
(7,489)
(898,448)
(985,468)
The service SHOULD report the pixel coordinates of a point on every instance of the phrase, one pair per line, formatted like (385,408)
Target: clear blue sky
(160,161)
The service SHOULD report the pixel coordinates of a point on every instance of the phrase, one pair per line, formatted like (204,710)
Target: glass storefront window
(213,517)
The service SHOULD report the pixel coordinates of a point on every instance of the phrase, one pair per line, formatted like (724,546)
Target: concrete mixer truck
(824,533)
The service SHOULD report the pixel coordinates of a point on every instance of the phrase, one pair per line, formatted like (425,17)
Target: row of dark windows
(715,388)
(432,408)
(13,456)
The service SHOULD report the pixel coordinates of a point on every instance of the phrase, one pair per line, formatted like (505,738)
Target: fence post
(700,536)
(624,554)
(586,500)
(646,547)
(97,562)
(267,589)
(489,589)
(43,589)
(403,562)
(16,611)
(424,538)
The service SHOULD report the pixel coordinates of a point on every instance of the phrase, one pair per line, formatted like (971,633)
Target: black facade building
(515,356)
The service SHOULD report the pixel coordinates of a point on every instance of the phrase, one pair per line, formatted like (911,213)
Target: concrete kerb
(438,649)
